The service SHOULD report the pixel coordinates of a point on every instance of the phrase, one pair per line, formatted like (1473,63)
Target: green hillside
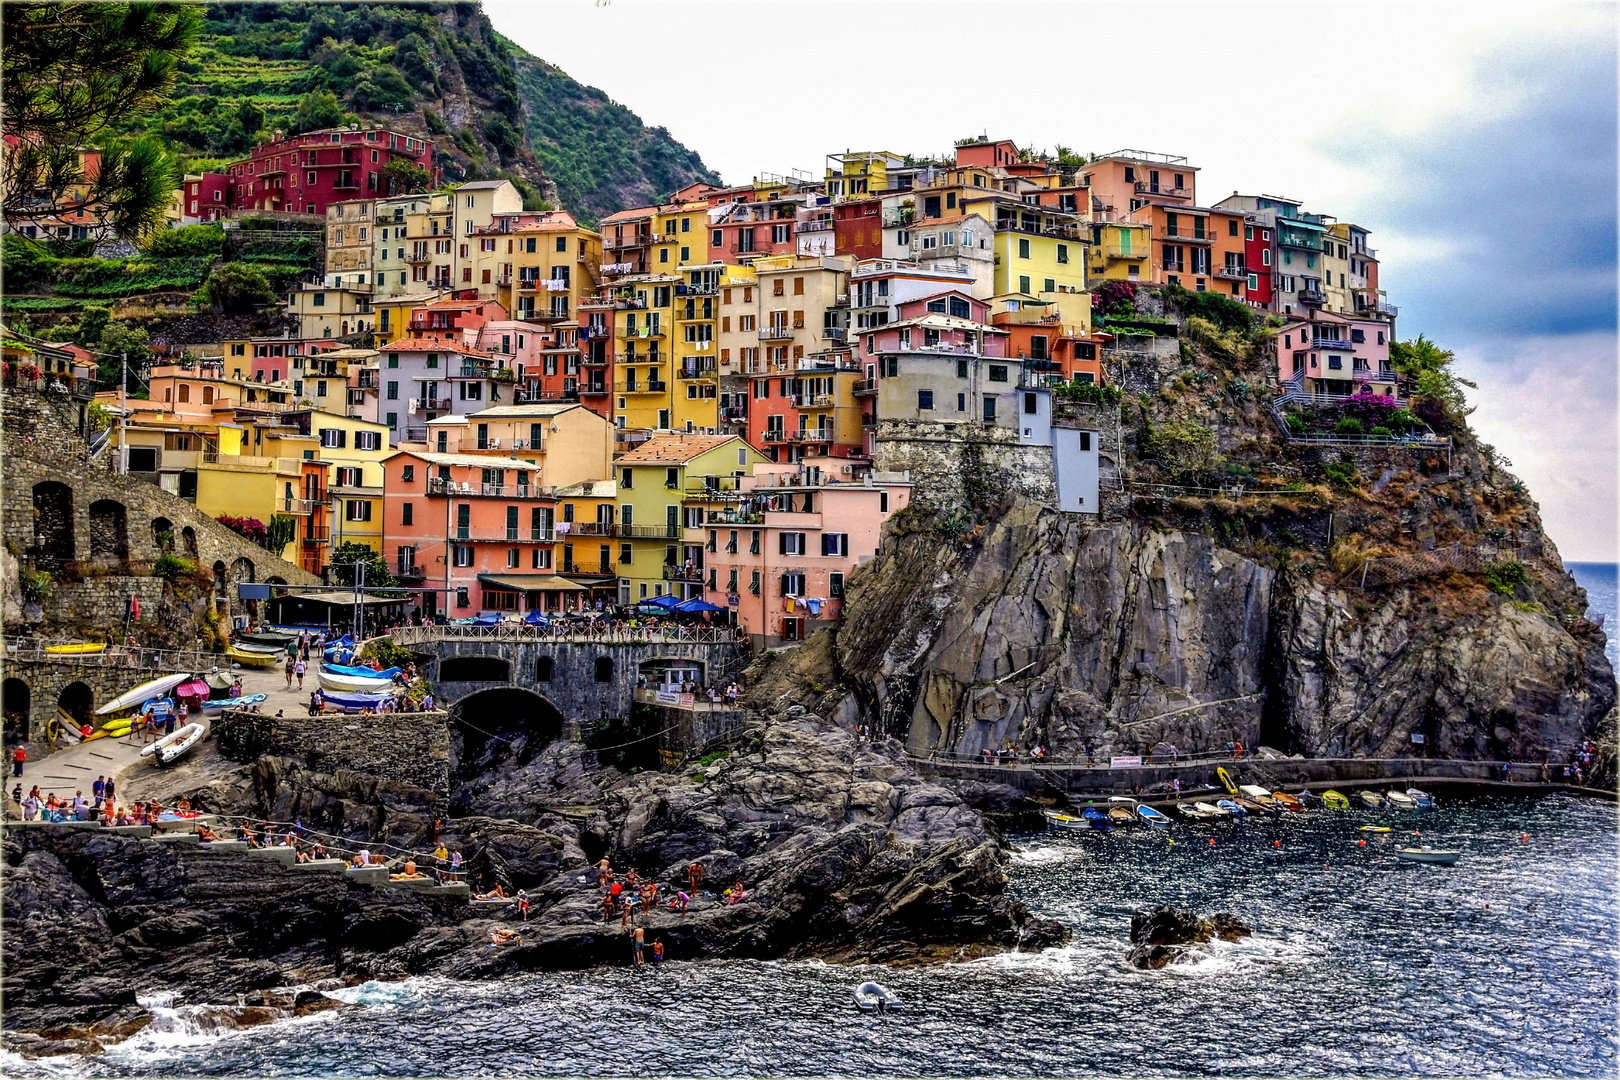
(435,70)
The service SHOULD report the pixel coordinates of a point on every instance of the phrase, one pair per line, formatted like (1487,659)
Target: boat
(279,641)
(155,688)
(354,702)
(253,659)
(1097,819)
(1231,808)
(1420,797)
(1400,800)
(1309,800)
(871,997)
(1428,855)
(1211,810)
(1193,812)
(1120,816)
(215,704)
(349,684)
(259,650)
(1226,780)
(361,672)
(1286,801)
(1255,806)
(1375,828)
(172,747)
(1334,800)
(1254,791)
(1153,817)
(80,647)
(1373,799)
(1057,820)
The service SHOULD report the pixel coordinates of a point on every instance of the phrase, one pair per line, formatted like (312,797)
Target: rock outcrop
(1163,935)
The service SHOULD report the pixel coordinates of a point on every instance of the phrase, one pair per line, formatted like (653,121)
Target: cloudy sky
(1476,140)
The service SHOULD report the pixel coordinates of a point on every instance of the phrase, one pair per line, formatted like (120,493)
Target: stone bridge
(583,678)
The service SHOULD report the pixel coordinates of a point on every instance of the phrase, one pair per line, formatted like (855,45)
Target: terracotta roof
(635,213)
(404,345)
(674,449)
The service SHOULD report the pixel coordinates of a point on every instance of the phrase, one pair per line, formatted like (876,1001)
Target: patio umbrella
(666,601)
(696,605)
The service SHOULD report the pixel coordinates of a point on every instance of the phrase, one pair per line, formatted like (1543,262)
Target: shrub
(1506,576)
(1381,432)
(1342,475)
(1230,315)
(169,566)
(191,241)
(1182,448)
(386,652)
(250,528)
(1089,393)
(1349,425)
(35,585)
(1296,423)
(236,287)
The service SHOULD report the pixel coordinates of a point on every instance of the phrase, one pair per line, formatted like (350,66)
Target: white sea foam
(1044,855)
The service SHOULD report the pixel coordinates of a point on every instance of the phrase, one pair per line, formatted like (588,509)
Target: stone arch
(53,525)
(109,533)
(221,578)
(242,570)
(275,580)
(78,701)
(188,537)
(503,723)
(16,702)
(162,534)
(475,669)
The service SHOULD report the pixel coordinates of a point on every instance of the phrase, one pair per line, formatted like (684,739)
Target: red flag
(134,610)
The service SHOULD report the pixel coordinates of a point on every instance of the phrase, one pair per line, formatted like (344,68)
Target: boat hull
(1334,800)
(253,659)
(174,746)
(82,647)
(142,693)
(349,684)
(1433,858)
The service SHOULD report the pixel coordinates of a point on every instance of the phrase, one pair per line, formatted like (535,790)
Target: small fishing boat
(361,672)
(1231,808)
(1120,816)
(1254,806)
(1192,812)
(273,640)
(1334,800)
(1428,855)
(155,688)
(266,650)
(354,702)
(215,704)
(1286,801)
(350,684)
(1400,800)
(1153,817)
(252,659)
(1375,828)
(78,648)
(1310,800)
(171,748)
(1097,819)
(1420,797)
(1211,810)
(1373,799)
(1057,820)
(872,997)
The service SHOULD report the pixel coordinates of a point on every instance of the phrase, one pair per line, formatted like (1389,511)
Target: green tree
(93,323)
(404,177)
(316,109)
(236,288)
(121,338)
(349,553)
(71,71)
(1182,448)
(1427,368)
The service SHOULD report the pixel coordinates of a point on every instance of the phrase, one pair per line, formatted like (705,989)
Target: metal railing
(26,650)
(596,630)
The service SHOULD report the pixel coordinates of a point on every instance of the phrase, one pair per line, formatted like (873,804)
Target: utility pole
(359,607)
(123,418)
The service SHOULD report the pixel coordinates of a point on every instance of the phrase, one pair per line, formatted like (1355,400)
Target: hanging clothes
(814,605)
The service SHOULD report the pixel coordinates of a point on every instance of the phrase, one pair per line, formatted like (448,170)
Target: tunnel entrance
(474,669)
(491,733)
(18,707)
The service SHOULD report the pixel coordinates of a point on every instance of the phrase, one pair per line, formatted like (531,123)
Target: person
(98,790)
(206,835)
(1543,772)
(608,903)
(1174,753)
(523,904)
(658,950)
(639,939)
(111,786)
(694,876)
(632,879)
(503,936)
(678,905)
(738,894)
(298,669)
(316,702)
(18,756)
(81,806)
(30,805)
(290,665)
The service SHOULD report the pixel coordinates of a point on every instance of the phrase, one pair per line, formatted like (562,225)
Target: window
(791,543)
(393,395)
(462,600)
(604,669)
(333,437)
(406,512)
(1031,404)
(1023,248)
(542,669)
(1023,283)
(793,584)
(990,410)
(835,543)
(461,554)
(925,400)
(358,510)
(1050,285)
(1063,253)
(998,372)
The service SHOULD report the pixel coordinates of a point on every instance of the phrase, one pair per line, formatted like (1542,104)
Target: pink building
(1326,353)
(777,550)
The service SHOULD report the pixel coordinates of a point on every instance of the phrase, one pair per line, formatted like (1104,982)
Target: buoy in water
(1526,836)
(1276,843)
(1363,843)
(1212,841)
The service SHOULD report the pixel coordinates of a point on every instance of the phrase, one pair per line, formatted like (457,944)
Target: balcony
(642,333)
(592,528)
(412,572)
(1189,238)
(467,488)
(818,225)
(899,219)
(316,535)
(813,435)
(696,371)
(1035,228)
(634,240)
(774,436)
(776,333)
(651,532)
(657,387)
(702,288)
(1312,296)
(428,405)
(866,388)
(1231,273)
(681,573)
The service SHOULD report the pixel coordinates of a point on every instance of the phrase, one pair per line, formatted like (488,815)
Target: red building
(859,225)
(204,197)
(1258,254)
(304,173)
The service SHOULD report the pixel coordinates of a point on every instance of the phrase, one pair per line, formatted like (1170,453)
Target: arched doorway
(491,732)
(78,701)
(188,537)
(16,701)
(221,579)
(53,525)
(162,534)
(109,533)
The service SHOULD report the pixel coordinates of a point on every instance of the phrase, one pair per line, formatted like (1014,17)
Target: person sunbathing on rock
(245,834)
(206,835)
(503,936)
(736,894)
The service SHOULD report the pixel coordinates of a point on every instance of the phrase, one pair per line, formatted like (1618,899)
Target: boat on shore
(1309,800)
(78,648)
(253,659)
(1400,800)
(216,704)
(1335,800)
(1373,799)
(1152,817)
(269,640)
(1254,806)
(1428,855)
(142,693)
(1193,812)
(174,746)
(353,684)
(1057,820)
(1420,797)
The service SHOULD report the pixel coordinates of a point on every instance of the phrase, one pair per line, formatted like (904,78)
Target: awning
(531,582)
(195,688)
(343,599)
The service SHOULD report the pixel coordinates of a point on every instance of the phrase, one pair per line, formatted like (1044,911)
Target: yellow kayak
(82,647)
(1226,780)
(252,659)
(1375,828)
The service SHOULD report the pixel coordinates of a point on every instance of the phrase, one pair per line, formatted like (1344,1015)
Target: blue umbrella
(695,604)
(666,601)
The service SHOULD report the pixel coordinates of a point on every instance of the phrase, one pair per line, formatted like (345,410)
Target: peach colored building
(775,548)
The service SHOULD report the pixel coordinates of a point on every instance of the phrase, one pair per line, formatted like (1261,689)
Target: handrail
(116,656)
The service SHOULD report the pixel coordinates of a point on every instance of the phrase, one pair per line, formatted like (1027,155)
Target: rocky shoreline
(847,856)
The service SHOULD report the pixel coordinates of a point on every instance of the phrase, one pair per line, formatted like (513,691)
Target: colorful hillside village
(523,414)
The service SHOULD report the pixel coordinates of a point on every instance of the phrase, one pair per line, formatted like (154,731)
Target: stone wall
(411,750)
(956,465)
(99,533)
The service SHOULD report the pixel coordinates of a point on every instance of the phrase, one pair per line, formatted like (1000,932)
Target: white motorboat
(1373,799)
(1211,810)
(1420,797)
(1400,800)
(1428,855)
(142,693)
(1056,820)
(174,746)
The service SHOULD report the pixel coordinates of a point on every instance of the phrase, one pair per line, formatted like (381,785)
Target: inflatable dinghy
(870,997)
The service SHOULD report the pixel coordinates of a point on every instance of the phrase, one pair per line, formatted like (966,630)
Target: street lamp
(123,408)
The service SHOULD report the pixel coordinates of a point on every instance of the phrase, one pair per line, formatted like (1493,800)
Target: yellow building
(1031,259)
(643,315)
(588,540)
(738,339)
(857,174)
(568,443)
(654,480)
(257,472)
(1120,251)
(326,312)
(1336,285)
(353,450)
(540,266)
(796,298)
(349,246)
(415,237)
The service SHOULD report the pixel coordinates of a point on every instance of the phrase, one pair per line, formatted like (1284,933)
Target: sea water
(1360,965)
(1602,584)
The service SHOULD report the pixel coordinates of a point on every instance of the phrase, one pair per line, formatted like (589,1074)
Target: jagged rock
(1163,934)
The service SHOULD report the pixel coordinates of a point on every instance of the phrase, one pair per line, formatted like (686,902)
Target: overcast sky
(1477,142)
